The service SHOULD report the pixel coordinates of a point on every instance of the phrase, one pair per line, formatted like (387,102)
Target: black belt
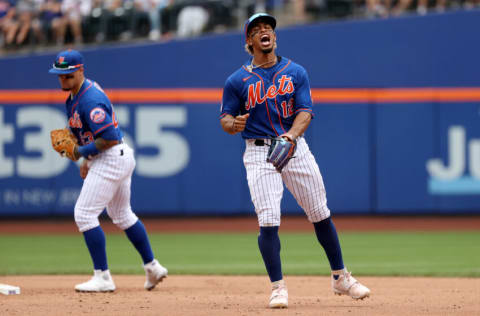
(121,150)
(259,142)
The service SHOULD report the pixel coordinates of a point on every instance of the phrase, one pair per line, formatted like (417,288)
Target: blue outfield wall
(377,156)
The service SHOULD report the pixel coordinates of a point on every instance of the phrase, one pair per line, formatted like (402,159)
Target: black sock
(328,238)
(269,244)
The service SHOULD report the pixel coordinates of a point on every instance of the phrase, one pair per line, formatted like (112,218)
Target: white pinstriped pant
(301,176)
(107,185)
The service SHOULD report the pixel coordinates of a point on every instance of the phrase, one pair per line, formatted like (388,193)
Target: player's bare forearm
(227,124)
(83,169)
(100,143)
(103,144)
(233,125)
(300,125)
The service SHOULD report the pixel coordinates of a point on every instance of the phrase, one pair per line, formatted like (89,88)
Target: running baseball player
(268,101)
(107,168)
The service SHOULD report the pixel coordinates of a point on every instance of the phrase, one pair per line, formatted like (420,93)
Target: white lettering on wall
(6,136)
(173,152)
(456,157)
(155,129)
(48,163)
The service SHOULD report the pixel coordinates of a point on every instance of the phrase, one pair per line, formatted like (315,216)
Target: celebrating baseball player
(107,168)
(268,101)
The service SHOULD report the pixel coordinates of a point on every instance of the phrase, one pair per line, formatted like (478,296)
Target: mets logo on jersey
(254,91)
(97,115)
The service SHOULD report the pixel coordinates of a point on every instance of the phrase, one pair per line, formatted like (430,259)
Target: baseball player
(268,97)
(107,170)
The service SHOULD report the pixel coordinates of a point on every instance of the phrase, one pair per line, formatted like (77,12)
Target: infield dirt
(235,295)
(181,295)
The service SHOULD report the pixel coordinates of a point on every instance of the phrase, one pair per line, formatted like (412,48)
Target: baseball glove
(281,151)
(64,142)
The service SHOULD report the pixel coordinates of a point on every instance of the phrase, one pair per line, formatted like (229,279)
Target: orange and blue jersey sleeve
(303,94)
(230,100)
(101,123)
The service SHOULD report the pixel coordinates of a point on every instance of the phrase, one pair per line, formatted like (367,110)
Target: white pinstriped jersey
(273,97)
(107,185)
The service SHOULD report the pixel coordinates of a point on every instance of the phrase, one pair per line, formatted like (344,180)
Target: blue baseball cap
(255,18)
(67,62)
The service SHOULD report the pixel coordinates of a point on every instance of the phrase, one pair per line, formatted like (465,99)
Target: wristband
(88,150)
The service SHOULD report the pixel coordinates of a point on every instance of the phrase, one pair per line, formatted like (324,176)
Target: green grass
(379,253)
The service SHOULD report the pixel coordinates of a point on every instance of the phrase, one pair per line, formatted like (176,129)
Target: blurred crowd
(42,23)
(386,8)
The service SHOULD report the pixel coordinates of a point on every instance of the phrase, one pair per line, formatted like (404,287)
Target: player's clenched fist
(239,122)
(233,125)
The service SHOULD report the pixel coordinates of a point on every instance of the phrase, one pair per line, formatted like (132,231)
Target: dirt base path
(248,295)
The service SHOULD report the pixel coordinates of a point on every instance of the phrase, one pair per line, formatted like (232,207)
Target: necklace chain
(252,66)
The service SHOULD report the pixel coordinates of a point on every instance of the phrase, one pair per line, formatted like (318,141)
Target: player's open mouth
(265,40)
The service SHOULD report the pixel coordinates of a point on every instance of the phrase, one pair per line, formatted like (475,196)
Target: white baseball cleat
(155,273)
(279,297)
(100,282)
(346,284)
